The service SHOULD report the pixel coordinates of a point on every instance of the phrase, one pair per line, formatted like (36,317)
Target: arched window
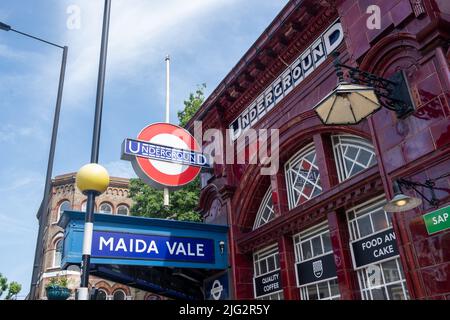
(101,295)
(57,256)
(265,211)
(119,295)
(64,206)
(302,176)
(122,210)
(105,208)
(84,205)
(352,155)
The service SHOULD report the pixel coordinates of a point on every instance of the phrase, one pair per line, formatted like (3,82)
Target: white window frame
(106,293)
(261,255)
(59,238)
(293,201)
(125,206)
(59,208)
(125,297)
(105,203)
(354,141)
(260,220)
(359,212)
(307,236)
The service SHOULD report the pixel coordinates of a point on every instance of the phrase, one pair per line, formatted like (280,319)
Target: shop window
(352,155)
(105,208)
(122,210)
(382,279)
(302,177)
(265,212)
(315,268)
(58,253)
(267,276)
(64,206)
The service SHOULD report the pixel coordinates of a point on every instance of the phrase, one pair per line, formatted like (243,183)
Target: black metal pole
(43,212)
(89,219)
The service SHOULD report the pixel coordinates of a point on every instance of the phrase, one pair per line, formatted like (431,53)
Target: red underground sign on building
(164,155)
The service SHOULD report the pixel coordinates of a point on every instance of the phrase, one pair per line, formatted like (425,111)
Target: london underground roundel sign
(164,155)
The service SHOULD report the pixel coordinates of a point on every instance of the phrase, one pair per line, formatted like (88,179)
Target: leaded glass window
(265,212)
(352,155)
(302,176)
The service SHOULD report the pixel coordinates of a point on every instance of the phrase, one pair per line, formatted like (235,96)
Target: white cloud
(141,34)
(10,133)
(120,169)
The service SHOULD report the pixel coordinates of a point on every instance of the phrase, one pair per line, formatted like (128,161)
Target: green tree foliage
(3,284)
(148,201)
(191,105)
(13,289)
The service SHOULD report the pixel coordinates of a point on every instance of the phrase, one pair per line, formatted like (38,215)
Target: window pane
(351,152)
(395,292)
(379,294)
(379,220)
(271,262)
(364,226)
(317,246)
(326,242)
(263,266)
(119,295)
(334,286)
(364,157)
(323,290)
(356,168)
(390,271)
(123,210)
(303,177)
(306,250)
(312,292)
(101,295)
(105,208)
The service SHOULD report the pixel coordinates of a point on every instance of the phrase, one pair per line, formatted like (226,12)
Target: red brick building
(333,181)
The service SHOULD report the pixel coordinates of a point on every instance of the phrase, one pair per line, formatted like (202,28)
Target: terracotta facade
(414,37)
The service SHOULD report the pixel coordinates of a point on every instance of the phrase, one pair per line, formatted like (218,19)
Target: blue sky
(205,39)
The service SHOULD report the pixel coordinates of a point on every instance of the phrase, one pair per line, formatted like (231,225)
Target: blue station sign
(136,148)
(139,241)
(106,244)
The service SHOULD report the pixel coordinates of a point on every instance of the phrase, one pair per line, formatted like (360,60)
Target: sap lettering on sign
(440,218)
(140,246)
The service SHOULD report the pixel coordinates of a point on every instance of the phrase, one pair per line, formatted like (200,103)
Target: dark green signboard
(438,220)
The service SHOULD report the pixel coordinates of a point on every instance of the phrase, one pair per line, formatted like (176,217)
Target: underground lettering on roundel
(374,244)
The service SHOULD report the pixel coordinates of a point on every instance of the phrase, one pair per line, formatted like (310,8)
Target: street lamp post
(43,210)
(93,179)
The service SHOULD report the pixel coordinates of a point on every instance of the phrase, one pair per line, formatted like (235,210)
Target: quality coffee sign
(268,283)
(374,248)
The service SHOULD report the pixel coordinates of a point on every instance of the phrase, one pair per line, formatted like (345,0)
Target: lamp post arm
(36,38)
(43,214)
(429,184)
